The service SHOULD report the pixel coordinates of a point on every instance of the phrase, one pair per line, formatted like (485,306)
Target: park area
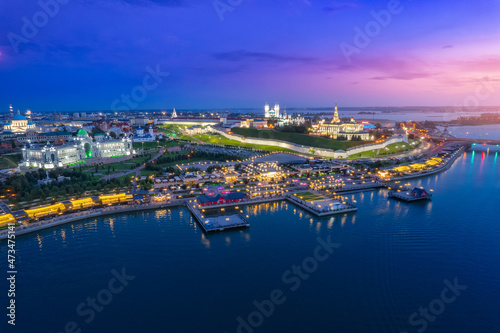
(393,148)
(217,139)
(308,196)
(300,139)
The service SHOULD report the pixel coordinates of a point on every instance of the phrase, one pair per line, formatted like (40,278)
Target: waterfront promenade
(62,219)
(445,166)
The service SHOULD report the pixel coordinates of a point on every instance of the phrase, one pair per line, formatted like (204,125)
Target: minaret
(276,110)
(336,118)
(266,110)
(11,111)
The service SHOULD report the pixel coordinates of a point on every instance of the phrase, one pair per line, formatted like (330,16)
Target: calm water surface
(488,132)
(392,260)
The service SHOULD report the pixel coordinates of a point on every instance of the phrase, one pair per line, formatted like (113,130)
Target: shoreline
(22,230)
(442,168)
(36,226)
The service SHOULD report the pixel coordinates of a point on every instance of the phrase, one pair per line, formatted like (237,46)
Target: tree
(312,150)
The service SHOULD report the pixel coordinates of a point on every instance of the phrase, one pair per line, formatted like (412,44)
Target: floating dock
(217,223)
(325,211)
(408,196)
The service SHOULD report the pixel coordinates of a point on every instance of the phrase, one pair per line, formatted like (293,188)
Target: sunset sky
(428,53)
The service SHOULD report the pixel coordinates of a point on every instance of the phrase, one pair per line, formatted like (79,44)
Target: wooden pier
(346,208)
(217,223)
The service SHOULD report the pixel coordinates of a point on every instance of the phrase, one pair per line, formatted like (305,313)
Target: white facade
(272,113)
(19,124)
(141,135)
(75,152)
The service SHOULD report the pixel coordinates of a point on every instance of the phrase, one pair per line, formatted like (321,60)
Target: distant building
(193,130)
(272,113)
(141,136)
(34,137)
(19,124)
(140,121)
(282,119)
(337,128)
(252,123)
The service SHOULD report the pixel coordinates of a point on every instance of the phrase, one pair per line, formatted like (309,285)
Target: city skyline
(299,53)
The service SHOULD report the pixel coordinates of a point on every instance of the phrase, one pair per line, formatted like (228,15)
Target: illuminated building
(141,136)
(45,211)
(265,170)
(283,119)
(5,219)
(337,128)
(81,147)
(272,113)
(19,124)
(115,198)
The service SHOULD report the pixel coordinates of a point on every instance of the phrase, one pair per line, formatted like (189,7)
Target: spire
(336,118)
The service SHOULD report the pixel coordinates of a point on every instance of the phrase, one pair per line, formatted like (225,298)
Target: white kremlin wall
(317,151)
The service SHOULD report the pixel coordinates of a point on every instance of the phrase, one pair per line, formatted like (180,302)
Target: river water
(393,259)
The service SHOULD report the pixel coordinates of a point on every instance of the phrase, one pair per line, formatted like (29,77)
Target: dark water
(392,260)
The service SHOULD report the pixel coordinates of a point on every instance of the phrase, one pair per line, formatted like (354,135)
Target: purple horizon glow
(92,52)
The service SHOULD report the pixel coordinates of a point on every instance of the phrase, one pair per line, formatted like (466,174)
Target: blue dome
(31,123)
(19,117)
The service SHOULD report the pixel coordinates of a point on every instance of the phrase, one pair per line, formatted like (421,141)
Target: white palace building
(76,151)
(337,128)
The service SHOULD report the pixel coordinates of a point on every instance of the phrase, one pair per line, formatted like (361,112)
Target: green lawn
(217,139)
(145,145)
(308,196)
(148,173)
(9,161)
(300,139)
(391,149)
(176,130)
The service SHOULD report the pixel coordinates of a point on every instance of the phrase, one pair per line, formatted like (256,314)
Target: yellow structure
(115,198)
(418,166)
(47,210)
(82,203)
(403,168)
(5,219)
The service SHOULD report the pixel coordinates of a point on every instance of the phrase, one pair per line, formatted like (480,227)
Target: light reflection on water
(393,259)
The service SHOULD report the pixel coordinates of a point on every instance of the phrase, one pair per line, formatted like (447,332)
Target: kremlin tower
(336,118)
